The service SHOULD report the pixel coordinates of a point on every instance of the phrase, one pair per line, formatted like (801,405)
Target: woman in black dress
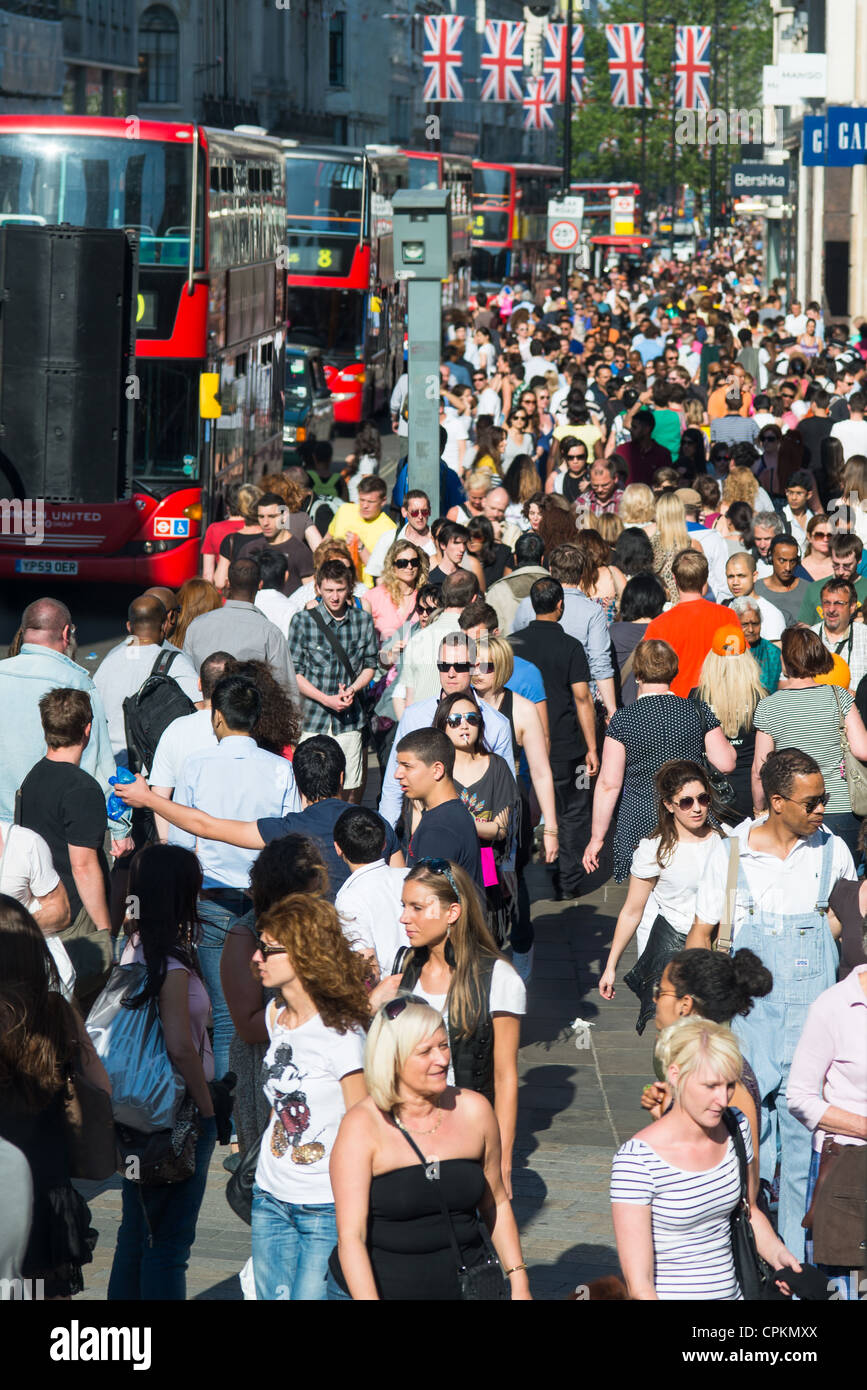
(42,1042)
(660,726)
(393,1239)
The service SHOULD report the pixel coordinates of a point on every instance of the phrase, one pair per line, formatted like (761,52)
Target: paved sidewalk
(575,1107)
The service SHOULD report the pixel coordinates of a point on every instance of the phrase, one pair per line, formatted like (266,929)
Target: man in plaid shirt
(329,690)
(603,495)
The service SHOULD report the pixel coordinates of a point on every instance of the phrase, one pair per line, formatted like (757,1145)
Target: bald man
(494,505)
(170,602)
(128,666)
(45,663)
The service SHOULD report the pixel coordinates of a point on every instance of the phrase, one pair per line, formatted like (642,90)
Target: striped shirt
(808,719)
(692,1248)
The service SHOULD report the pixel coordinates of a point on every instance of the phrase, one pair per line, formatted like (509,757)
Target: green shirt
(666,430)
(812,600)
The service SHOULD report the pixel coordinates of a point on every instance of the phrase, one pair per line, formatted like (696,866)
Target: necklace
(401,1125)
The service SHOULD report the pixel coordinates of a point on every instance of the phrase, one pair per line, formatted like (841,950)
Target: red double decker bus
(510,210)
(209,211)
(455,173)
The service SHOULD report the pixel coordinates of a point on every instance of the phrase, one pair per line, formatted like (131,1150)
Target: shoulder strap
(725,930)
(734,1130)
(163,662)
(456,1249)
(334,642)
(626,668)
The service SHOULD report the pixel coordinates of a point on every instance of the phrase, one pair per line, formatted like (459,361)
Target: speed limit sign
(563,236)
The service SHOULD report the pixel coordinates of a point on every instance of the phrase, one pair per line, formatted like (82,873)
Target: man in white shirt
(28,875)
(126,668)
(796,320)
(712,543)
(787,866)
(277,607)
(852,433)
(416,513)
(740,573)
(233,780)
(522,333)
(185,736)
(369,902)
(839,631)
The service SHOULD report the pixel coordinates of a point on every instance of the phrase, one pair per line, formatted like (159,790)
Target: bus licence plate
(46,567)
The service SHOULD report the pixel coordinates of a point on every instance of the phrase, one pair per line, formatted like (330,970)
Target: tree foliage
(606,140)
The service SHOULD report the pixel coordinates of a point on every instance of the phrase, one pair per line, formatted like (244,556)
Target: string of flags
(502,66)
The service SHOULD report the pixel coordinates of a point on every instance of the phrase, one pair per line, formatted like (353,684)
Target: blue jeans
(217,918)
(291,1246)
(157,1230)
(335,1292)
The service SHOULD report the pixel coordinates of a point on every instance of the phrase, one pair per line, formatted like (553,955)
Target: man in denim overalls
(788,865)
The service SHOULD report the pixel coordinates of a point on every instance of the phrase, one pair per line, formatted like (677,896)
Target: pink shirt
(200,1004)
(387,617)
(830,1062)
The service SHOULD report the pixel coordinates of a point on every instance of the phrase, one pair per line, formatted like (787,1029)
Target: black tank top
(407,1239)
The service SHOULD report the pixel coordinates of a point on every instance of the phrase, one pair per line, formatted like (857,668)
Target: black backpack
(149,712)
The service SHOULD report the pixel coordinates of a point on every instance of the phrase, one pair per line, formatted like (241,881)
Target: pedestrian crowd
(630,644)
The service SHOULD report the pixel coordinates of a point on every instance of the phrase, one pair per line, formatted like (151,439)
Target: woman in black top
(42,1041)
(494,558)
(393,1240)
(730,684)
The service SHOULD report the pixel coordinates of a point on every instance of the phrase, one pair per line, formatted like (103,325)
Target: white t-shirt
(490,404)
(508,996)
(190,734)
(29,874)
(369,905)
(457,428)
(302,1071)
(277,607)
(124,671)
(852,434)
(673,895)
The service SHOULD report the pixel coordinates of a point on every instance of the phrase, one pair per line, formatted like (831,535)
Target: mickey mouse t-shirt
(301,1076)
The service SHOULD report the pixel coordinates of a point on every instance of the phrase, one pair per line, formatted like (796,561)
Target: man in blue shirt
(451,492)
(236,774)
(43,664)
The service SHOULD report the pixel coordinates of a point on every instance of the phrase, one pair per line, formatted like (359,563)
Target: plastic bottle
(116,807)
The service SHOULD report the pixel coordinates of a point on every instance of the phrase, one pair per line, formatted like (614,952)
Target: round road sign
(564,235)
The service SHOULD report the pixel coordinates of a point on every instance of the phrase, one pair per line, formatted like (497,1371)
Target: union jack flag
(503,61)
(692,67)
(442,58)
(554,61)
(626,64)
(537,111)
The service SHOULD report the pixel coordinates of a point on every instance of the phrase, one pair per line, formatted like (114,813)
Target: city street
(575,1107)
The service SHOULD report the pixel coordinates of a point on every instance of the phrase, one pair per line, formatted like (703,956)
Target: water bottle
(116,807)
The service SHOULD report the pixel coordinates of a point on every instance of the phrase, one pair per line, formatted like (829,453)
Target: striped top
(690,1214)
(808,719)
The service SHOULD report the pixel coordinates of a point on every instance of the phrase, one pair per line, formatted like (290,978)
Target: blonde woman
(670,538)
(638,507)
(233,545)
(380,1184)
(694,414)
(610,528)
(853,490)
(675,1185)
(741,485)
(393,599)
(730,683)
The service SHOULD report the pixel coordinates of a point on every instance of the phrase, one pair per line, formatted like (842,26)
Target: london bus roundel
(563,235)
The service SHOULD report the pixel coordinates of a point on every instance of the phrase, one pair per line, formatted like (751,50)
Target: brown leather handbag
(838,1211)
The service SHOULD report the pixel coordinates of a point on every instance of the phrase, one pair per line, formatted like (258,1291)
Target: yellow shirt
(349,518)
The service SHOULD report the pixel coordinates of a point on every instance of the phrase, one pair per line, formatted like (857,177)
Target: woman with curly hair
(42,1041)
(393,598)
(278,727)
(741,485)
(312,1074)
(196,596)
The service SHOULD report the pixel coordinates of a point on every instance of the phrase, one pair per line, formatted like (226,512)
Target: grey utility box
(422,234)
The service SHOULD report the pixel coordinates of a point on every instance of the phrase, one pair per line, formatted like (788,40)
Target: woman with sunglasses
(455,966)
(393,599)
(816,558)
(545,423)
(486,785)
(807,714)
(393,1240)
(571,479)
(311,1075)
(519,439)
(522,484)
(494,557)
(666,869)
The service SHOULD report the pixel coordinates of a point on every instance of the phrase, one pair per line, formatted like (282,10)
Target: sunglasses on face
(821,535)
(422,511)
(686,803)
(810,803)
(459,667)
(768,439)
(484,668)
(266,950)
(581,458)
(455,721)
(406,564)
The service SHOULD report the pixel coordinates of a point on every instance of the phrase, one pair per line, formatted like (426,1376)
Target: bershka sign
(767,180)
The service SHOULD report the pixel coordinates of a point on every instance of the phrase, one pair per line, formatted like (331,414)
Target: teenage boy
(369,902)
(424,768)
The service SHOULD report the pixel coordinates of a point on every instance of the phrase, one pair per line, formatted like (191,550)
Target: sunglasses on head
(460,667)
(686,803)
(267,950)
(454,721)
(395,1007)
(411,564)
(441,867)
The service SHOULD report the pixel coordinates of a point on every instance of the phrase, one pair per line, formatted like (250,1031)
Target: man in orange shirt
(716,401)
(689,626)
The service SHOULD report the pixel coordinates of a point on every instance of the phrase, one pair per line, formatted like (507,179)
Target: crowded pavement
(532,821)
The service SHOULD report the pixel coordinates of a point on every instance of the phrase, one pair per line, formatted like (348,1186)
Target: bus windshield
(491,184)
(331,319)
(323,195)
(102,182)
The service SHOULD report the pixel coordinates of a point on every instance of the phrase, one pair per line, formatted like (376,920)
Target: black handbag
(239,1188)
(163,1158)
(723,791)
(662,943)
(754,1273)
(481,1283)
